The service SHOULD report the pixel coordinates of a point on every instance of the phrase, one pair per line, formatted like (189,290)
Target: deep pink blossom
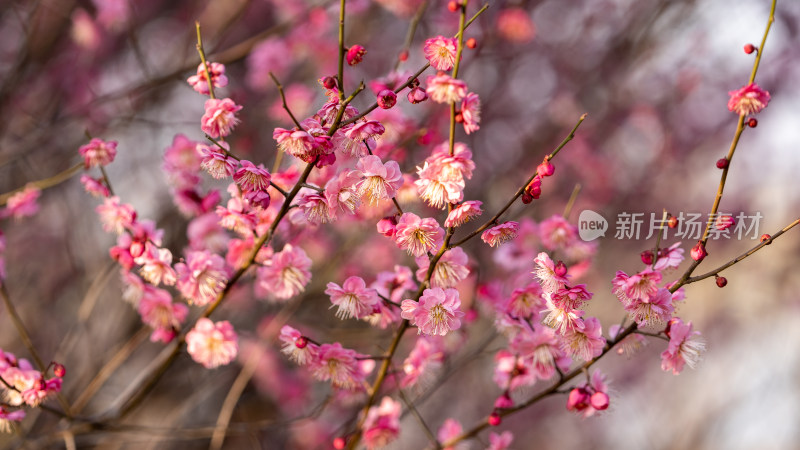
(355,54)
(437,312)
(212,344)
(156,265)
(341,192)
(220,117)
(237,217)
(426,356)
(636,287)
(98,153)
(749,99)
(354,136)
(441,52)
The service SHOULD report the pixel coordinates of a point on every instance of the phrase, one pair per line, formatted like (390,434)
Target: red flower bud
(721,281)
(749,48)
(355,54)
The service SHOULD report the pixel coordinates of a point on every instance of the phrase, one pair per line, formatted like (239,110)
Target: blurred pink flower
(202,277)
(382,424)
(353,298)
(499,234)
(23,203)
(212,344)
(98,153)
(285,275)
(160,313)
(200,82)
(685,347)
(442,88)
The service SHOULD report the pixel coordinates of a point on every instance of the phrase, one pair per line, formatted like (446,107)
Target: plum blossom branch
(417,74)
(744,255)
(521,190)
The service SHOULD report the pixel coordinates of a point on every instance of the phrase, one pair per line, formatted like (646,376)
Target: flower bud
(545,169)
(647,257)
(672,222)
(721,281)
(722,163)
(724,222)
(301,342)
(749,48)
(329,82)
(766,238)
(752,122)
(578,399)
(599,401)
(698,252)
(339,443)
(560,269)
(471,43)
(417,95)
(494,419)
(355,54)
(59,370)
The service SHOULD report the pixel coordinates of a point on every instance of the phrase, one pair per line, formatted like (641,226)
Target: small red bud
(752,123)
(494,419)
(527,198)
(722,163)
(673,222)
(329,82)
(721,281)
(41,385)
(749,48)
(403,56)
(452,6)
(459,117)
(647,257)
(472,43)
(414,82)
(560,269)
(59,370)
(698,252)
(766,238)
(339,443)
(301,342)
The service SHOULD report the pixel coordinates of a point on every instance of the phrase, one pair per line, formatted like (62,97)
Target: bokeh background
(653,77)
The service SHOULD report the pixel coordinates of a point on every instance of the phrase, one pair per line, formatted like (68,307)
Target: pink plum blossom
(499,234)
(219,118)
(436,313)
(749,99)
(471,113)
(417,236)
(382,424)
(160,313)
(98,153)
(381,181)
(442,88)
(462,213)
(441,52)
(685,347)
(202,277)
(212,344)
(449,271)
(22,204)
(199,82)
(285,275)
(337,364)
(297,347)
(353,298)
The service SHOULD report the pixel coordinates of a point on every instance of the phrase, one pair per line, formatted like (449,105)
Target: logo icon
(591,225)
